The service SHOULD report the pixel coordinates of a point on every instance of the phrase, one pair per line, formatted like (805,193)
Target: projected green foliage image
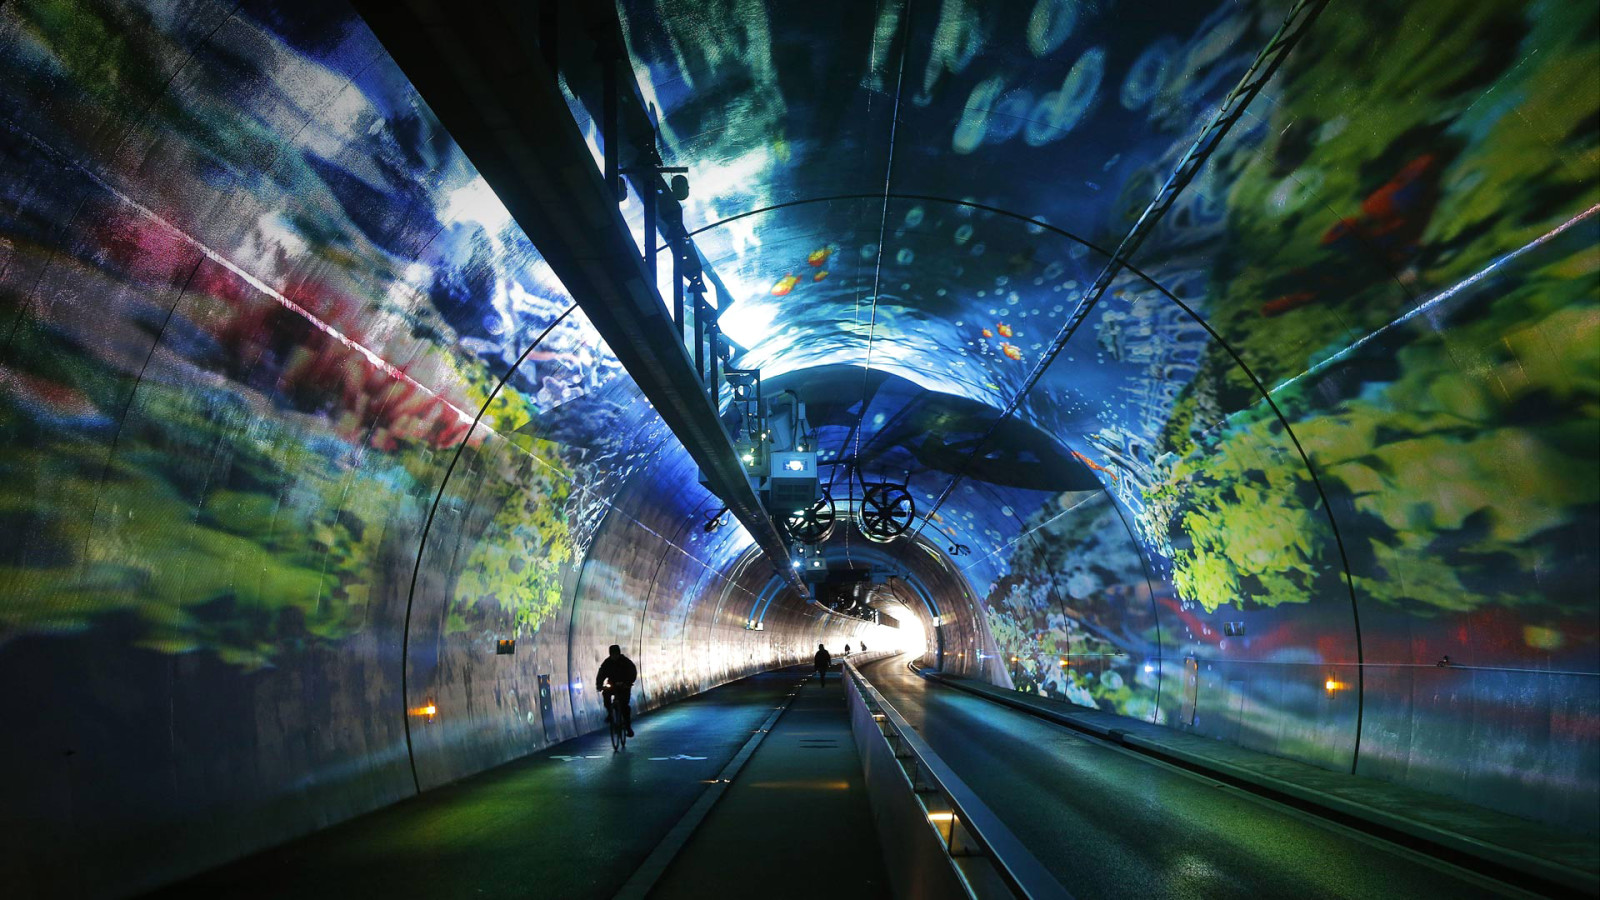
(280,377)
(227,400)
(1345,396)
(1467,219)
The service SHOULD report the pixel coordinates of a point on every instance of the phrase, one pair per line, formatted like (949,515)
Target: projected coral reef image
(234,390)
(1240,361)
(1343,399)
(266,332)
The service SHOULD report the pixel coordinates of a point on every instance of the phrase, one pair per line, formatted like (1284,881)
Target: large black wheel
(619,732)
(886,512)
(813,524)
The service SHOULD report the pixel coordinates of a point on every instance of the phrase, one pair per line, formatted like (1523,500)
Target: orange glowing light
(1332,685)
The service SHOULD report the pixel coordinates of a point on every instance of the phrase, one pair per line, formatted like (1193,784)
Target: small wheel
(814,523)
(886,512)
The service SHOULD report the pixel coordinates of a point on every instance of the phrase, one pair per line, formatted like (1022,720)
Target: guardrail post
(986,859)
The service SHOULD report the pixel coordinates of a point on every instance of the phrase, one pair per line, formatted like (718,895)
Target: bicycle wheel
(619,737)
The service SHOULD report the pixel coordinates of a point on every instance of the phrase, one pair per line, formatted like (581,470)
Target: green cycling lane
(1109,823)
(573,820)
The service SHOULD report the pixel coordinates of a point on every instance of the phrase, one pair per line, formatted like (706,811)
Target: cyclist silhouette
(615,682)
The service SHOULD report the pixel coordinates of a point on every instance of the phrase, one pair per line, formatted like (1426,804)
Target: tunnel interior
(319,490)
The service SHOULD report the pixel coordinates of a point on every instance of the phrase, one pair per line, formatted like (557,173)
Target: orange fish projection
(987,333)
(1094,465)
(1280,305)
(785,285)
(1392,221)
(820,275)
(1012,351)
(819,256)
(1003,328)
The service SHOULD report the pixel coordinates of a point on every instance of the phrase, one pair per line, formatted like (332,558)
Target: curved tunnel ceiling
(1320,415)
(825,150)
(297,423)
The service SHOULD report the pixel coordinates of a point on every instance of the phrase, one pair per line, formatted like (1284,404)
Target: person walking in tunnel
(822,659)
(615,683)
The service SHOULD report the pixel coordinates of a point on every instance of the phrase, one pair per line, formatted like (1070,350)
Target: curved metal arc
(427,528)
(1198,319)
(883,219)
(1150,584)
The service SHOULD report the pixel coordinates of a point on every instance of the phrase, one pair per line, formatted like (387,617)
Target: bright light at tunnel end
(909,637)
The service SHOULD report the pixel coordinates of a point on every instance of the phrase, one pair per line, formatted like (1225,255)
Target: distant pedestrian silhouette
(823,658)
(846,649)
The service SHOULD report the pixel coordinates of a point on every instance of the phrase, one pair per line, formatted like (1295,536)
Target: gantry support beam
(492,87)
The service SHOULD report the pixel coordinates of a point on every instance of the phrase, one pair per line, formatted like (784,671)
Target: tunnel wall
(1390,570)
(1349,425)
(1338,422)
(295,426)
(1344,402)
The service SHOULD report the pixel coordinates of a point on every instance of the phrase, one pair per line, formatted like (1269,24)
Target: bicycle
(618,722)
(619,732)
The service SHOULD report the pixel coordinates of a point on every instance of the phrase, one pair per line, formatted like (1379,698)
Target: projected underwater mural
(1317,475)
(264,332)
(1342,412)
(226,387)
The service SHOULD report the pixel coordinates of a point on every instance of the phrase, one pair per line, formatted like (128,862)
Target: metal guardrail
(862,657)
(988,860)
(479,71)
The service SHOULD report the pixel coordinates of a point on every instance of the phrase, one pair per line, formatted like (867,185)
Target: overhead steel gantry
(488,69)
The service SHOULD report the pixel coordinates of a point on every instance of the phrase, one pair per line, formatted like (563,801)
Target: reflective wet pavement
(1111,824)
(573,820)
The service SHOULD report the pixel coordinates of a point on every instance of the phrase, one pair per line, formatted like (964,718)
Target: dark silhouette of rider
(822,659)
(615,683)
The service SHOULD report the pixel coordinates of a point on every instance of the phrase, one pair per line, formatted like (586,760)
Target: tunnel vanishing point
(1188,413)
